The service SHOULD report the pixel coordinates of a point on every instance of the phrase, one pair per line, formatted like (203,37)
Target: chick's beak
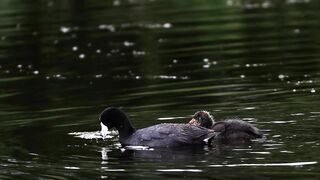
(194,122)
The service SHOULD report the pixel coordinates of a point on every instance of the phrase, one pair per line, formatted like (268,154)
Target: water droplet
(296,31)
(167,25)
(160,40)
(64,29)
(138,53)
(205,60)
(242,76)
(50,3)
(82,56)
(282,76)
(206,66)
(36,72)
(111,28)
(18,26)
(98,76)
(127,43)
(312,90)
(19,66)
(98,51)
(116,3)
(74,48)
(175,61)
(294,90)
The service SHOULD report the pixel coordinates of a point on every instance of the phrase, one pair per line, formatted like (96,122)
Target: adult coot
(161,135)
(232,131)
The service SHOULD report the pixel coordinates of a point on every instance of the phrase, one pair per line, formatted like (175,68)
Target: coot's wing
(170,135)
(237,126)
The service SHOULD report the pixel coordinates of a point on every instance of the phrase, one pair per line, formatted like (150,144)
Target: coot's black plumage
(161,135)
(232,131)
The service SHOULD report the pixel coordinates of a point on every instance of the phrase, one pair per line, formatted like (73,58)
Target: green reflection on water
(63,62)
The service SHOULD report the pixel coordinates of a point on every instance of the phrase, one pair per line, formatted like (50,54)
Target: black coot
(232,131)
(161,135)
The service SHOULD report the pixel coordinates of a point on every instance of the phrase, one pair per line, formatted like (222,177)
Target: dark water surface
(63,62)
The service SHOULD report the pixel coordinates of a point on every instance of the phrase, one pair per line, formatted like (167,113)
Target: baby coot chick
(202,118)
(232,131)
(161,135)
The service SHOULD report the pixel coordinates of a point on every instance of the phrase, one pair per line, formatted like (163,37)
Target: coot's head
(113,118)
(202,118)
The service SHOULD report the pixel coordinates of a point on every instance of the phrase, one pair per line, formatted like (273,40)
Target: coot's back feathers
(170,135)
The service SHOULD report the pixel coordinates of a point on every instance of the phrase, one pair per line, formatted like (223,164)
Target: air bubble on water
(75,48)
(98,51)
(205,60)
(19,66)
(138,77)
(175,61)
(242,76)
(36,72)
(294,90)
